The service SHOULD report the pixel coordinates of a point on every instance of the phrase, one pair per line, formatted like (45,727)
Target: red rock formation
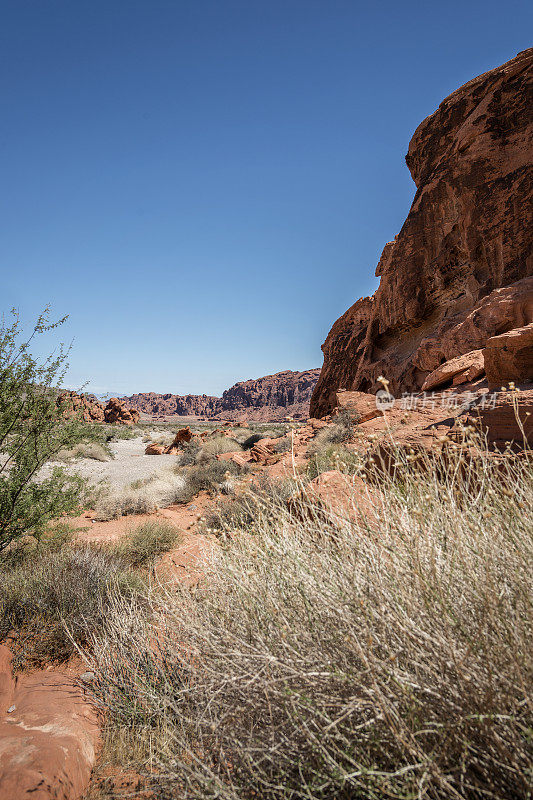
(167,405)
(459,271)
(91,410)
(88,406)
(270,398)
(462,369)
(362,407)
(508,419)
(116,412)
(48,733)
(509,357)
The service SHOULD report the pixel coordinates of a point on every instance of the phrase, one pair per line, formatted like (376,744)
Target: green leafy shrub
(33,430)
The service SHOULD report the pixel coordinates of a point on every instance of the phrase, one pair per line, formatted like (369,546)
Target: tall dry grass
(386,657)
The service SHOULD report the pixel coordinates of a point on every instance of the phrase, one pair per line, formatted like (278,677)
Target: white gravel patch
(129,464)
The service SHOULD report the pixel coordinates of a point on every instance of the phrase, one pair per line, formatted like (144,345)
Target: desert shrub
(146,542)
(164,438)
(85,450)
(283,445)
(251,440)
(216,446)
(391,658)
(338,432)
(333,457)
(53,597)
(208,476)
(144,497)
(122,432)
(32,430)
(187,455)
(123,504)
(263,496)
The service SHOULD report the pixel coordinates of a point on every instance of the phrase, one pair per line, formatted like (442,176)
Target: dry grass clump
(340,431)
(211,476)
(217,445)
(283,445)
(95,450)
(188,454)
(142,497)
(384,658)
(333,456)
(53,598)
(261,497)
(145,543)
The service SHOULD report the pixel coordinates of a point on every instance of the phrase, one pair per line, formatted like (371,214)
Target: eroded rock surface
(48,735)
(509,357)
(116,412)
(459,272)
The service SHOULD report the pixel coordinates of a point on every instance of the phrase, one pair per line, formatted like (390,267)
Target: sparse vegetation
(258,498)
(341,431)
(94,450)
(145,543)
(55,597)
(331,456)
(216,445)
(210,476)
(383,658)
(188,454)
(283,445)
(144,496)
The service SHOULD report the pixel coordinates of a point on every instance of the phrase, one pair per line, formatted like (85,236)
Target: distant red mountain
(270,398)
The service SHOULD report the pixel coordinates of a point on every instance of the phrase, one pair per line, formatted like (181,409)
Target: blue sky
(204,186)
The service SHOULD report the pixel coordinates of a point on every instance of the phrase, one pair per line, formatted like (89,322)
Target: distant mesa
(270,398)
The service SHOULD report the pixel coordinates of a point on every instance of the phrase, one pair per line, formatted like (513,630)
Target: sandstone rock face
(183,436)
(509,419)
(154,449)
(509,357)
(88,406)
(270,398)
(166,405)
(263,452)
(116,412)
(460,270)
(462,369)
(48,735)
(361,406)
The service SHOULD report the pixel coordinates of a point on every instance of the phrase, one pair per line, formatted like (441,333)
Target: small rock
(11,709)
(87,677)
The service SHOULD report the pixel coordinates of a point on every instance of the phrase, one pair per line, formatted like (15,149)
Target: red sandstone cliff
(269,398)
(459,271)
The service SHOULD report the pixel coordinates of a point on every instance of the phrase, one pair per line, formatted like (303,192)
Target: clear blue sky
(206,185)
